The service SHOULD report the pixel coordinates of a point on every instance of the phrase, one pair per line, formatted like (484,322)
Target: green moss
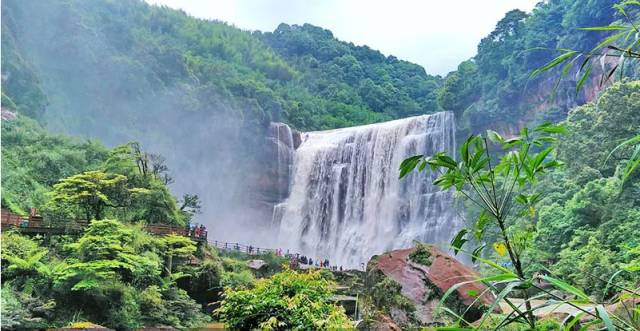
(421,255)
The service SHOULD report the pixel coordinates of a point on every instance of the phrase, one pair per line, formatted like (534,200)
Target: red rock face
(424,285)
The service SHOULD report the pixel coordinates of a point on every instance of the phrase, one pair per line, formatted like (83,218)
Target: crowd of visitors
(296,260)
(303,259)
(196,231)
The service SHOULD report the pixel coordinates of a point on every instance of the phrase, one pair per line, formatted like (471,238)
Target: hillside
(72,59)
(137,57)
(495,89)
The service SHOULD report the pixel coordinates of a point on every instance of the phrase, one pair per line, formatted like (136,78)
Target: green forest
(96,95)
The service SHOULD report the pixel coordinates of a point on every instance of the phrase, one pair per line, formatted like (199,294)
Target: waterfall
(346,202)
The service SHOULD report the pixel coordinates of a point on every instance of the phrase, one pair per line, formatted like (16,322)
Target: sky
(437,34)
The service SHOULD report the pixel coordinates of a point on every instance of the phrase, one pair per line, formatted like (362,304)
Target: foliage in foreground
(288,300)
(584,230)
(115,275)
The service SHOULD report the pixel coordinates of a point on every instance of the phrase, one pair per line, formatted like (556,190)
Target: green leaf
(583,78)
(567,288)
(539,158)
(548,127)
(458,241)
(494,136)
(480,225)
(494,265)
(634,161)
(569,326)
(464,149)
(553,63)
(511,142)
(607,41)
(604,316)
(423,165)
(507,289)
(477,252)
(495,278)
(409,164)
(522,199)
(604,28)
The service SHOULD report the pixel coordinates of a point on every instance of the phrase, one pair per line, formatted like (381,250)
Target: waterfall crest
(346,202)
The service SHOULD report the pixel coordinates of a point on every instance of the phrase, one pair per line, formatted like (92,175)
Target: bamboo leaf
(605,28)
(494,136)
(607,41)
(409,164)
(583,78)
(458,241)
(574,319)
(567,288)
(499,298)
(604,316)
(553,63)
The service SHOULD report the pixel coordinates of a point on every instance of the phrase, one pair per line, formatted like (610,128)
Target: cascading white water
(346,202)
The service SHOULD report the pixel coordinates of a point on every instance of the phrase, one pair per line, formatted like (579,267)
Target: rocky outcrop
(7,115)
(421,276)
(279,147)
(270,185)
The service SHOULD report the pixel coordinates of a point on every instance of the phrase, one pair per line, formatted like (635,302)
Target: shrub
(421,255)
(288,300)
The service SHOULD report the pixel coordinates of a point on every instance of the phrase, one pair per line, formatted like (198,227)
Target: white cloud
(435,34)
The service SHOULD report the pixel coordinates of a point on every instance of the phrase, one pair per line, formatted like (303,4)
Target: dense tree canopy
(588,217)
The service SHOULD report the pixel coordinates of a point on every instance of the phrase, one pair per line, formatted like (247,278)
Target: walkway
(34,224)
(559,307)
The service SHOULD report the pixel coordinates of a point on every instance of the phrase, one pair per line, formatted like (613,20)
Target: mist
(99,88)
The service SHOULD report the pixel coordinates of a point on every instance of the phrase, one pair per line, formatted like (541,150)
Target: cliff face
(271,185)
(541,103)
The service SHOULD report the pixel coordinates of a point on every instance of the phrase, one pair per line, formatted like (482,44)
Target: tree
(110,251)
(176,246)
(91,192)
(191,204)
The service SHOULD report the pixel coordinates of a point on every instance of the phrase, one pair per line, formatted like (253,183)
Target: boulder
(382,323)
(421,276)
(256,264)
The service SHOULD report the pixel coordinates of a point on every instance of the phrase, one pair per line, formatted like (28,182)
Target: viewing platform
(34,225)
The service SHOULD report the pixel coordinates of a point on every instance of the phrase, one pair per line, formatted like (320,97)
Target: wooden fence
(34,224)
